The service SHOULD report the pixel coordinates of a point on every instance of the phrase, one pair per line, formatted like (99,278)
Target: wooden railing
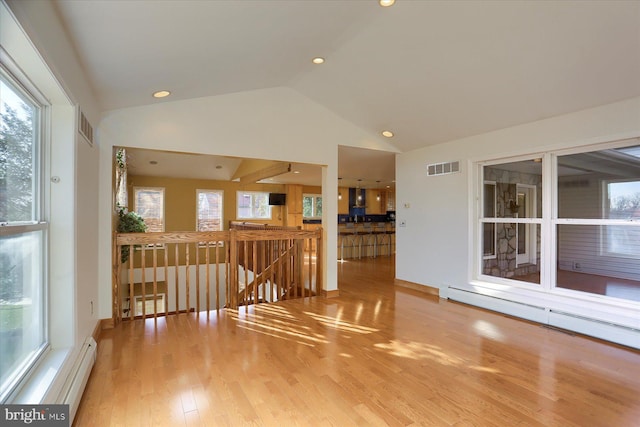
(202,271)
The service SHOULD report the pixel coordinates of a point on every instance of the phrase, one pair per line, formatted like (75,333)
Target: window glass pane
(311,205)
(22,332)
(209,210)
(307,206)
(489,200)
(489,239)
(600,185)
(121,178)
(585,263)
(515,182)
(509,262)
(253,205)
(18,144)
(149,204)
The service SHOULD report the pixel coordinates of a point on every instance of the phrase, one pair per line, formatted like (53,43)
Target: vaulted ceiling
(430,71)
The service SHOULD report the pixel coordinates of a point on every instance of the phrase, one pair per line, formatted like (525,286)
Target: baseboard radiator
(77,380)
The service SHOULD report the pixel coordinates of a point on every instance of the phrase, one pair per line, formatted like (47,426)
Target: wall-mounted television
(277,199)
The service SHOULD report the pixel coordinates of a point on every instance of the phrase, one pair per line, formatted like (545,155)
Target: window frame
(264,194)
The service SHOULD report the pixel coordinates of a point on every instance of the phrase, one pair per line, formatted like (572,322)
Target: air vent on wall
(443,168)
(85,128)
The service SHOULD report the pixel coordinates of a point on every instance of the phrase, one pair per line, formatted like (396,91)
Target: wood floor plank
(376,355)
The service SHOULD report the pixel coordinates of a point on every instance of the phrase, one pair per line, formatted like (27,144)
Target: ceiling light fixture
(161,94)
(386,3)
(318,60)
(387,133)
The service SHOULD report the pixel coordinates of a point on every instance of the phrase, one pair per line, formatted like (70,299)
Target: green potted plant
(129,222)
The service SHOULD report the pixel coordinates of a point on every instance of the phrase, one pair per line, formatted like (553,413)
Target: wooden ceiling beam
(264,173)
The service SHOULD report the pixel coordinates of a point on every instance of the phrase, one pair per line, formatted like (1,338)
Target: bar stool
(382,237)
(349,235)
(367,238)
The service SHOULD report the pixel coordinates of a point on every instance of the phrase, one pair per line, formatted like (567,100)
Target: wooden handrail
(213,270)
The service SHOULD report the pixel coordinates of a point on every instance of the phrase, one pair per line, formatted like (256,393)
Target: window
(253,205)
(121,178)
(510,220)
(312,206)
(149,204)
(597,226)
(209,212)
(23,236)
(592,225)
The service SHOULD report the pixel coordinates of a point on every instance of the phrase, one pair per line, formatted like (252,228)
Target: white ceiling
(431,71)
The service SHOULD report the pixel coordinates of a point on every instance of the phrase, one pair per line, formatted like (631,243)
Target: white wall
(275,124)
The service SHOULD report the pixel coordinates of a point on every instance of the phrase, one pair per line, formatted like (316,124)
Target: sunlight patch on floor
(340,324)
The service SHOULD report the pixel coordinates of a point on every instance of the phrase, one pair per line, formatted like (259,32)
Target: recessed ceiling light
(296,171)
(161,94)
(318,60)
(387,133)
(386,3)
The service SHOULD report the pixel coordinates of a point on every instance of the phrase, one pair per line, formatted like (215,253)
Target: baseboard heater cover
(77,380)
(607,331)
(512,308)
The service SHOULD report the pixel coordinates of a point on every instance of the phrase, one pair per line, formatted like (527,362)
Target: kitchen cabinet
(375,201)
(294,205)
(390,200)
(343,201)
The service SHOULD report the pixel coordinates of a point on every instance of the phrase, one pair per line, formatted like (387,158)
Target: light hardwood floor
(376,355)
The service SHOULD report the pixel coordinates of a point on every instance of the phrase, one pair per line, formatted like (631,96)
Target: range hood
(359,198)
